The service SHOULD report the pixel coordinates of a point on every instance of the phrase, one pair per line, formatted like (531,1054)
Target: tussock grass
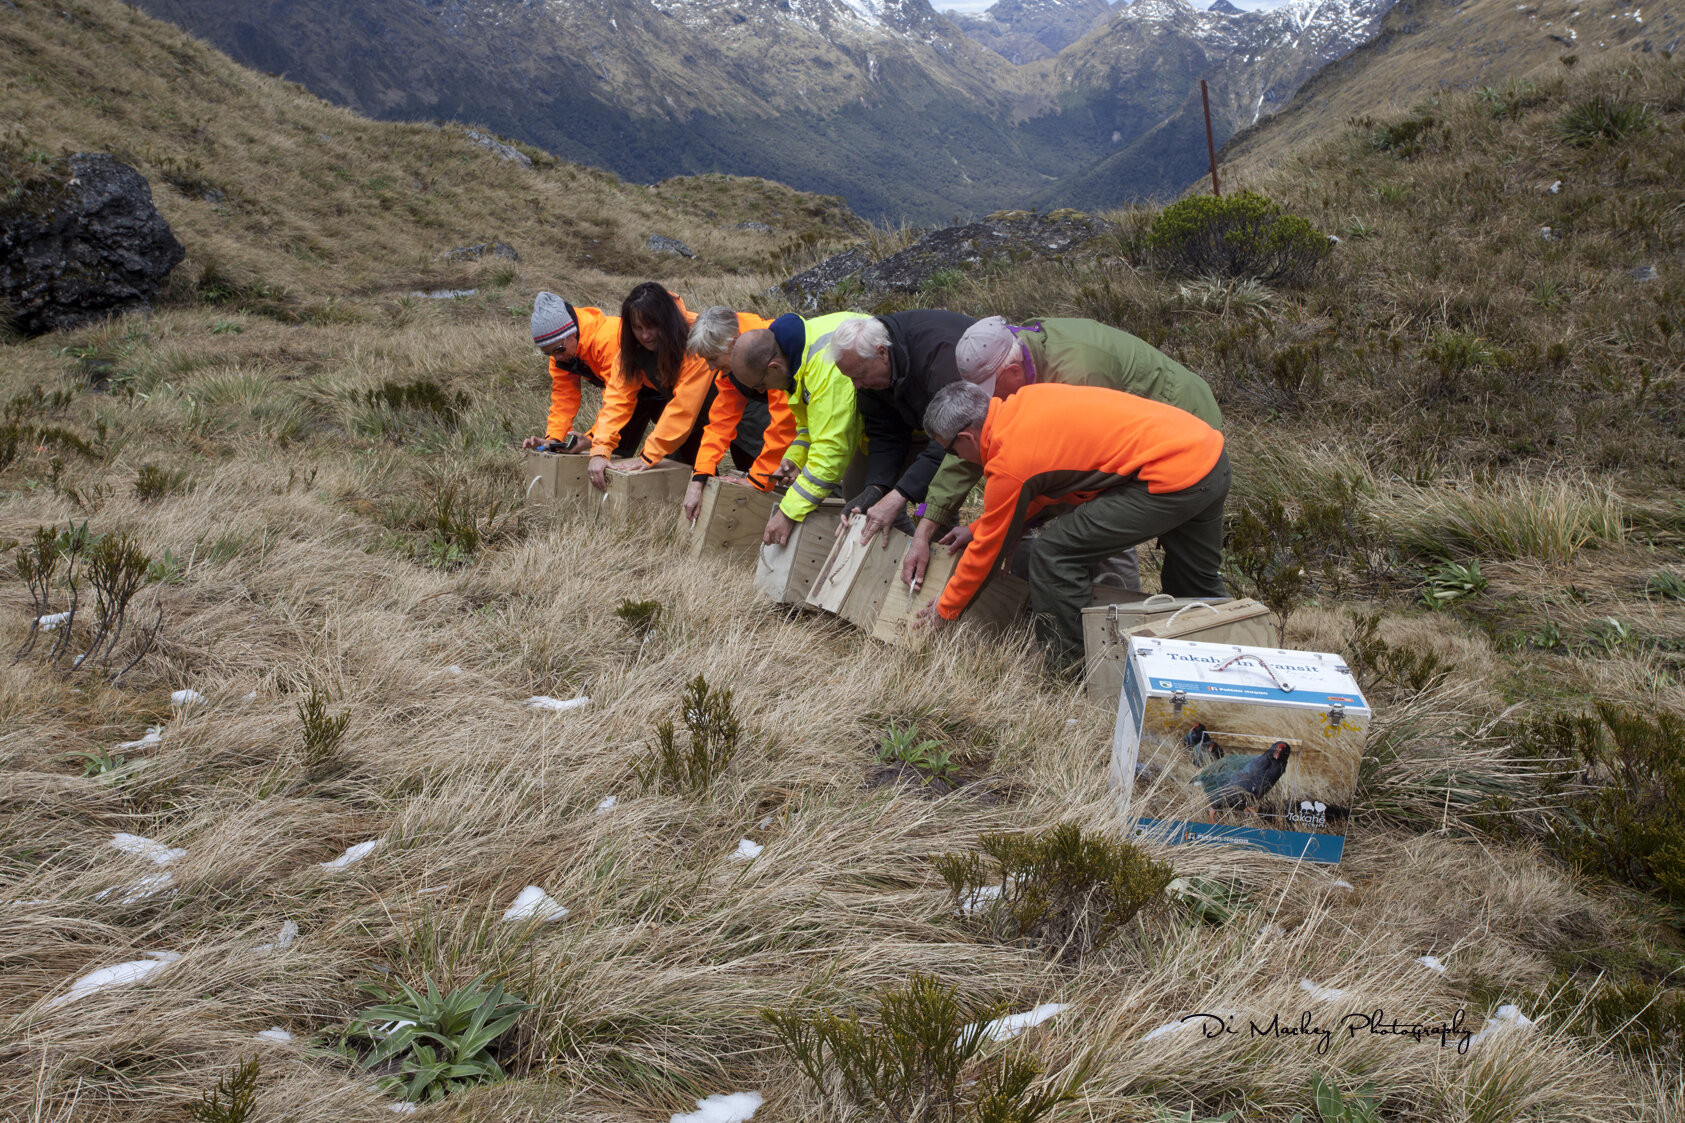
(1551,520)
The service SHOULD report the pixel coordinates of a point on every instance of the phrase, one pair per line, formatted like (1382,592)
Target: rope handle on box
(1174,616)
(1226,664)
(1158,598)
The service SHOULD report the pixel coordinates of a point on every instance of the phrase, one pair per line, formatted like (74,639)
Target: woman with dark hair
(654,373)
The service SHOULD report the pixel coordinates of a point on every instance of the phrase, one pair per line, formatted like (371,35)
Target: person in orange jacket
(653,369)
(1136,468)
(583,345)
(733,406)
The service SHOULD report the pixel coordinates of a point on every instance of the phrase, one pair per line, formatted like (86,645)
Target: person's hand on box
(778,529)
(786,474)
(693,500)
(597,470)
(956,539)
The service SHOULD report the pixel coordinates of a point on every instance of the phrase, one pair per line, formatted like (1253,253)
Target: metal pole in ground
(1210,144)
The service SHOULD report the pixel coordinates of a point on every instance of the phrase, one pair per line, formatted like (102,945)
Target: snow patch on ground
(352,854)
(534,903)
(143,847)
(737,1107)
(746,850)
(1005,1029)
(559,705)
(117,975)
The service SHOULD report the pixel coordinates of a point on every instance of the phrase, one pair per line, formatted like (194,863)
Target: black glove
(866,499)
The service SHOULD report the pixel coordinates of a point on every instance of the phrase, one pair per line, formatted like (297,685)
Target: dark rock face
(660,243)
(80,250)
(1007,234)
(1011,235)
(805,288)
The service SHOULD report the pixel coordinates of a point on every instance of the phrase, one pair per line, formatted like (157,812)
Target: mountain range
(902,111)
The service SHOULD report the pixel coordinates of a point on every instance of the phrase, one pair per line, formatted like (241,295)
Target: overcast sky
(978,5)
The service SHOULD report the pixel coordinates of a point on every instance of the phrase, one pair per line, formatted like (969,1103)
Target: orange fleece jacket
(599,349)
(1053,443)
(678,418)
(726,415)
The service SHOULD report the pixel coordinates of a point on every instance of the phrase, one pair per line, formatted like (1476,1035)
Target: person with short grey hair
(897,363)
(712,335)
(1126,469)
(958,407)
(1002,357)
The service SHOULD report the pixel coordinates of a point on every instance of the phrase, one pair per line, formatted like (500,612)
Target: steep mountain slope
(1141,73)
(884,102)
(1023,31)
(1427,45)
(275,192)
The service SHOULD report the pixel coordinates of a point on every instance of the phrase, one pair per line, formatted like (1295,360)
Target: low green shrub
(1622,790)
(1061,889)
(911,1062)
(639,615)
(422,395)
(1450,582)
(1244,235)
(322,735)
(233,1098)
(153,483)
(714,732)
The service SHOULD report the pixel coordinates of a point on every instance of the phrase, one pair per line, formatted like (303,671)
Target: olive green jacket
(1084,353)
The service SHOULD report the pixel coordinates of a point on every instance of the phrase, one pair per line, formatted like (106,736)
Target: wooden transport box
(1229,742)
(855,578)
(1106,629)
(785,573)
(554,476)
(1000,603)
(731,520)
(650,493)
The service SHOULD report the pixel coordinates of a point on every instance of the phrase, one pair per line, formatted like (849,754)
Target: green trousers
(1188,525)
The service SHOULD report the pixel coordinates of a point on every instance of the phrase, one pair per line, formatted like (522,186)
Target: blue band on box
(1194,688)
(1301,845)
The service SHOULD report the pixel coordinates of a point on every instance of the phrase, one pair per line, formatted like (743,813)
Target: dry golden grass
(302,547)
(298,574)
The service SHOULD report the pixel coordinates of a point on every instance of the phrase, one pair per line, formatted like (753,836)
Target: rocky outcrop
(82,243)
(806,287)
(1006,236)
(660,243)
(504,151)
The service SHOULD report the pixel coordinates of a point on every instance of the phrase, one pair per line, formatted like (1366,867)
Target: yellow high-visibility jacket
(828,430)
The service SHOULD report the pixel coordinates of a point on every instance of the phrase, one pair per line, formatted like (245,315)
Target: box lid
(1231,671)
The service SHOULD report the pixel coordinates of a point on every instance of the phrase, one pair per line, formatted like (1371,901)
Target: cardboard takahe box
(1249,745)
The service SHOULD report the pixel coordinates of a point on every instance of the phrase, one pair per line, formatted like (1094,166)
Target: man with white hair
(1002,358)
(1128,468)
(897,364)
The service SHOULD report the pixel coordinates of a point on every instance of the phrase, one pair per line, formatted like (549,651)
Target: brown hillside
(1429,45)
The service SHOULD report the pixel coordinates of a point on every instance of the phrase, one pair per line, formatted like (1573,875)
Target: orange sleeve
(988,535)
(776,442)
(620,399)
(682,411)
(564,401)
(723,418)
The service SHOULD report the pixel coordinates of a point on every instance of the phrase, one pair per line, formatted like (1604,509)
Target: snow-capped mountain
(1140,73)
(885,102)
(1023,31)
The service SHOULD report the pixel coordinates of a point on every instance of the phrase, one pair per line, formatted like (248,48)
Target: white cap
(986,347)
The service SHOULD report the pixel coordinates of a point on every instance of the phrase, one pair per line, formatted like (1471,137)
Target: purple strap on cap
(1029,363)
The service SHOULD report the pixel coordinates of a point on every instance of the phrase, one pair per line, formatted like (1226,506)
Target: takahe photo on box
(1252,746)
